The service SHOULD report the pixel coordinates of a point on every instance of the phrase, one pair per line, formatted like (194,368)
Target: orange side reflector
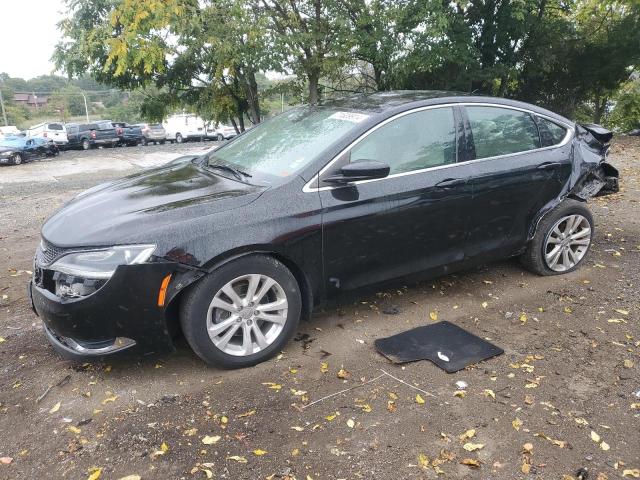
(162,294)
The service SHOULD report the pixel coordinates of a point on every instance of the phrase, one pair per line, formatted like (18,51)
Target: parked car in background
(87,135)
(220,132)
(54,131)
(9,131)
(354,193)
(153,133)
(184,126)
(129,135)
(16,150)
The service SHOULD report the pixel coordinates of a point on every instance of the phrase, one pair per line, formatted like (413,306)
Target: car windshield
(285,144)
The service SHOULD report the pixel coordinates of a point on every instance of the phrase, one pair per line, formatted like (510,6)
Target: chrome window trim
(309,188)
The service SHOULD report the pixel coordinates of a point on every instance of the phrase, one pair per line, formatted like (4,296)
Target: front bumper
(123,315)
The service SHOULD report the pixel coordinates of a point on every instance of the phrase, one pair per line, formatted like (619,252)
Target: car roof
(400,100)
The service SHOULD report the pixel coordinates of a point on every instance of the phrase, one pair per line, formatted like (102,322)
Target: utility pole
(4,114)
(86,110)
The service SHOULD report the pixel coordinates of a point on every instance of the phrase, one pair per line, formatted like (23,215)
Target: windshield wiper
(239,174)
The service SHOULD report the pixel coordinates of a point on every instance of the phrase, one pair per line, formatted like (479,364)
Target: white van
(55,132)
(184,126)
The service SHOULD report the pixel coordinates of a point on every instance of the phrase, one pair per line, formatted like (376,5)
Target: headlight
(100,264)
(7,154)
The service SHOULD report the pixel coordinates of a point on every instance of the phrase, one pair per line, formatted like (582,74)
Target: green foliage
(626,112)
(209,55)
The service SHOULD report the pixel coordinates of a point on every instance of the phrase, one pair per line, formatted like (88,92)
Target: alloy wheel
(567,243)
(247,315)
(17,159)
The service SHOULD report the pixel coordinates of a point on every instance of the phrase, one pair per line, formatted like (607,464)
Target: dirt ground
(565,395)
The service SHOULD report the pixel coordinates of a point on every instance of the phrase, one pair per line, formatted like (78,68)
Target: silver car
(153,133)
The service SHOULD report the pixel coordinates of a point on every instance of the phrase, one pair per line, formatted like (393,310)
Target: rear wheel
(242,313)
(85,144)
(179,138)
(562,240)
(220,138)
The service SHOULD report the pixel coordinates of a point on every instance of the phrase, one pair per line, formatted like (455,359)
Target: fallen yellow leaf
(259,452)
(210,440)
(423,461)
(130,477)
(237,459)
(433,316)
(246,414)
(351,423)
(472,447)
(604,446)
(490,393)
(517,423)
(419,400)
(468,435)
(595,437)
(324,367)
(342,373)
(111,399)
(95,474)
(635,473)
(55,408)
(470,462)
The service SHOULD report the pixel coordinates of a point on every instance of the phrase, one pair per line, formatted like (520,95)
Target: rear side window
(501,131)
(412,142)
(550,133)
(54,126)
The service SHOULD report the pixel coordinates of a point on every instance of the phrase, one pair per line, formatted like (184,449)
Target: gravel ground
(561,398)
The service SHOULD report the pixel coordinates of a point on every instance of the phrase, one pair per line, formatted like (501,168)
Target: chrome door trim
(309,188)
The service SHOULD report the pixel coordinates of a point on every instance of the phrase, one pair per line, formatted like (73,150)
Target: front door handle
(450,183)
(548,165)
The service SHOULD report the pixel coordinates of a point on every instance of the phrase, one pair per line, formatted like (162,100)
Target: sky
(28,36)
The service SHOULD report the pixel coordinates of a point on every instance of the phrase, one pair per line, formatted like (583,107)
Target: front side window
(415,141)
(501,131)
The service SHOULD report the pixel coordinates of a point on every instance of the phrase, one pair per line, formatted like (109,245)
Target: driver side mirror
(359,170)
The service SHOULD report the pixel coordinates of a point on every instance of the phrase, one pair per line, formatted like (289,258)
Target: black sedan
(234,247)
(16,150)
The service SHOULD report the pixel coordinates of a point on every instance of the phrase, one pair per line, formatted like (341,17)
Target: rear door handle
(548,165)
(451,182)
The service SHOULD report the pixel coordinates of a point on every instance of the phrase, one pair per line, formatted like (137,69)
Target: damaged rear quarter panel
(591,175)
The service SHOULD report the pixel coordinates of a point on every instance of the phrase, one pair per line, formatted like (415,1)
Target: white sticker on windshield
(349,116)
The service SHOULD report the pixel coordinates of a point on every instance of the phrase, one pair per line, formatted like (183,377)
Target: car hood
(145,206)
(6,148)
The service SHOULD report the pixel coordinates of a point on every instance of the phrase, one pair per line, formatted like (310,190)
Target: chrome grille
(48,253)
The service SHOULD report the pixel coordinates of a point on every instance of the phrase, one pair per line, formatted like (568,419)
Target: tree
(309,35)
(192,51)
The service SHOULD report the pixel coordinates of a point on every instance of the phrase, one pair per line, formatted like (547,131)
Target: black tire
(179,138)
(18,158)
(144,142)
(534,257)
(85,145)
(219,137)
(162,142)
(195,304)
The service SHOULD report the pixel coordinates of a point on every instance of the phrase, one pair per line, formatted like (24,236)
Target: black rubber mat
(448,346)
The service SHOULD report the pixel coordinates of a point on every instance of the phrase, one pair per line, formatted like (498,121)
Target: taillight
(44,134)
(93,134)
(119,131)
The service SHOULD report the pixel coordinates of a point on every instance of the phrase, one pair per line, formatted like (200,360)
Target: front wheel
(562,240)
(179,138)
(18,159)
(243,313)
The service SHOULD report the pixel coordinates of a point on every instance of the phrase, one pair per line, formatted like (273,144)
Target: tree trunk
(250,87)
(599,110)
(314,94)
